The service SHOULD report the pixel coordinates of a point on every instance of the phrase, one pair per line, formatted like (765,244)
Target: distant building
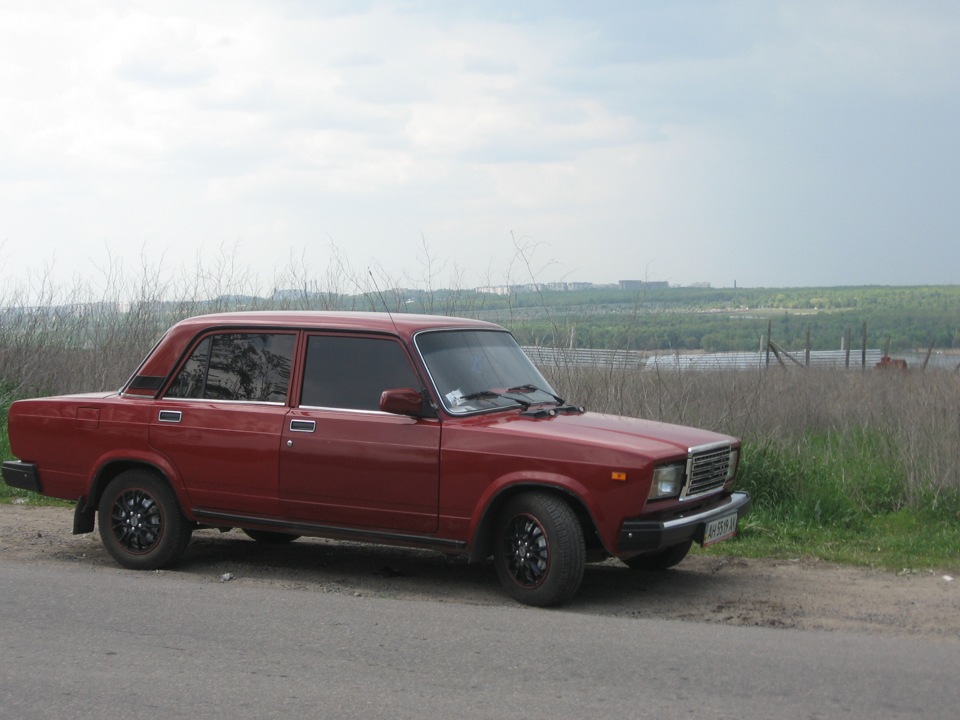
(504,289)
(643,285)
(534,287)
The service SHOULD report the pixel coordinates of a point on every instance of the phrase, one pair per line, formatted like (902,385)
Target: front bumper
(21,475)
(650,535)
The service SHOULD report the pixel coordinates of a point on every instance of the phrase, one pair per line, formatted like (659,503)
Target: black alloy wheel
(527,552)
(141,524)
(539,549)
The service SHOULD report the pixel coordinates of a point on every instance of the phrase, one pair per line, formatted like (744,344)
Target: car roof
(177,339)
(404,324)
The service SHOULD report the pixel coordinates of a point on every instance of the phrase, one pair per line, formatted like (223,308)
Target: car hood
(582,435)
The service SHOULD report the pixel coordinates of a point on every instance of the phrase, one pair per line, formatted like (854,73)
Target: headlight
(732,468)
(667,481)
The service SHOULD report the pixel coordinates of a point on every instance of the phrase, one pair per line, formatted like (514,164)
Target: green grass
(905,540)
(9,496)
(825,479)
(6,397)
(843,499)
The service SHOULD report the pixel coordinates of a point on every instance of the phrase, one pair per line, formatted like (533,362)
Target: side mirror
(402,401)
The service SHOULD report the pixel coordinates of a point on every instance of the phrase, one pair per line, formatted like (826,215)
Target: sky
(762,143)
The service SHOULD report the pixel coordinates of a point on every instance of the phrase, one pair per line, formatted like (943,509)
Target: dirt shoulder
(798,594)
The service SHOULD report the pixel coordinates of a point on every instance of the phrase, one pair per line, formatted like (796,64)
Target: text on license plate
(720,529)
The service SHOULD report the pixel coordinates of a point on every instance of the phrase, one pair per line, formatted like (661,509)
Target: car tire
(539,549)
(660,560)
(270,538)
(140,521)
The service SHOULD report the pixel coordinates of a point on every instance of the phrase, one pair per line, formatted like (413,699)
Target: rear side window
(352,372)
(237,366)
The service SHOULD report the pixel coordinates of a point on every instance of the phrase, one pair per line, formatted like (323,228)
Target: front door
(345,463)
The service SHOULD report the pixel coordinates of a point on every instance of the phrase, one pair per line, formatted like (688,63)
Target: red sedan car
(415,430)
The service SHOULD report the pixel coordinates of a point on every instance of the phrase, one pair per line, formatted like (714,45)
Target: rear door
(344,462)
(221,419)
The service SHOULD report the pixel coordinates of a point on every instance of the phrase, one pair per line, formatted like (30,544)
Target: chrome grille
(707,469)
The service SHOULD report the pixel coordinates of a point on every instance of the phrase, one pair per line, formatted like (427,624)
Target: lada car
(433,432)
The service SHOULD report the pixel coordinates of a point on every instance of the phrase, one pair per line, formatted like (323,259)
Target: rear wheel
(141,524)
(271,538)
(662,559)
(539,550)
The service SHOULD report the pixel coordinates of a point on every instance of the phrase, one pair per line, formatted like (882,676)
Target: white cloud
(690,142)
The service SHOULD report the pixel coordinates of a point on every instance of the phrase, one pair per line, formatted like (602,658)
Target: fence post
(806,354)
(769,338)
(863,356)
(927,358)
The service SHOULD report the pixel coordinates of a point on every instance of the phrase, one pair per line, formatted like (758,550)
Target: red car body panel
(378,471)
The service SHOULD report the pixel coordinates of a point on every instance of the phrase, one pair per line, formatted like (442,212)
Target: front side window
(476,370)
(252,367)
(352,372)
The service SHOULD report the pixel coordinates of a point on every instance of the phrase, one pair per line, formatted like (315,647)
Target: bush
(830,480)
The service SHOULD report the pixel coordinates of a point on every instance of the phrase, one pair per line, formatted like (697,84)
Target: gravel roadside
(792,594)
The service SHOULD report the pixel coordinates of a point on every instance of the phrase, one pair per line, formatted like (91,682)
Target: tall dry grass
(883,439)
(877,440)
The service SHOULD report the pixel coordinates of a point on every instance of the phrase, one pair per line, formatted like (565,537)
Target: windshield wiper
(480,394)
(494,394)
(562,407)
(528,388)
(510,394)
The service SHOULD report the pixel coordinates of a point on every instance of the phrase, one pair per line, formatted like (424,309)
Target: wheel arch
(481,546)
(114,467)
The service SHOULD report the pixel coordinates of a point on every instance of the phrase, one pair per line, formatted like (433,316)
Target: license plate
(720,529)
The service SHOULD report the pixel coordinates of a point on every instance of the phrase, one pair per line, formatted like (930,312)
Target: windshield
(476,370)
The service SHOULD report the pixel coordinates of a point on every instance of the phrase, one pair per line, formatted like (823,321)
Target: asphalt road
(82,644)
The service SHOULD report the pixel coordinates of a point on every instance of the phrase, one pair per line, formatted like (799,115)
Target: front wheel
(141,524)
(539,550)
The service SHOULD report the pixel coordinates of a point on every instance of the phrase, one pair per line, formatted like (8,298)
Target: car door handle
(305,426)
(170,416)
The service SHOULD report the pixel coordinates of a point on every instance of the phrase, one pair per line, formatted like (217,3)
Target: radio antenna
(383,300)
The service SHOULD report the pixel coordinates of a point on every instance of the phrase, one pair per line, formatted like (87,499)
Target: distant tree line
(898,318)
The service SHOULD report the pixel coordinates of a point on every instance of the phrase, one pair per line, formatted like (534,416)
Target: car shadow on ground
(701,589)
(694,588)
(328,566)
